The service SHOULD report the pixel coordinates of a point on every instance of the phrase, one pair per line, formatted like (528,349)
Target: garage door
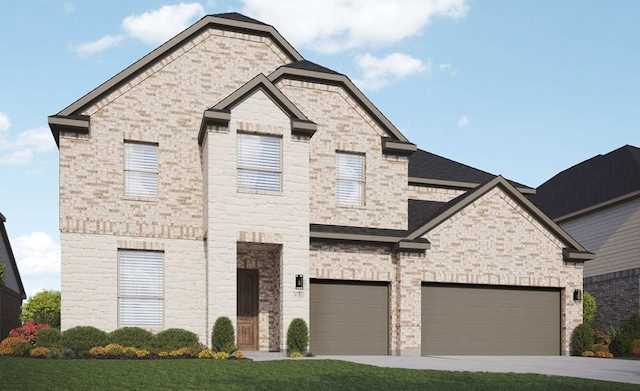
(475,320)
(349,318)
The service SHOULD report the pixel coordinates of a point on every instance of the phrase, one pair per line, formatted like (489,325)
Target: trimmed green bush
(43,308)
(132,336)
(631,331)
(223,338)
(582,339)
(82,338)
(589,307)
(173,339)
(49,338)
(297,336)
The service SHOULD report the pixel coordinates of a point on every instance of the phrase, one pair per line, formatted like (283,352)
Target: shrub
(182,352)
(588,353)
(297,336)
(630,331)
(39,352)
(114,350)
(48,338)
(28,331)
(129,352)
(295,354)
(43,307)
(603,354)
(172,339)
(221,355)
(59,352)
(589,307)
(206,353)
(223,338)
(132,336)
(600,348)
(82,338)
(97,351)
(163,354)
(582,338)
(142,353)
(601,337)
(240,355)
(14,346)
(634,348)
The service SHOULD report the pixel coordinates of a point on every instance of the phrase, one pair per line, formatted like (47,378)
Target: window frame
(159,299)
(257,169)
(361,181)
(126,169)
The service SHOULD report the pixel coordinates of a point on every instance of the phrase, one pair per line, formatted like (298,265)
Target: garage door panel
(348,318)
(459,319)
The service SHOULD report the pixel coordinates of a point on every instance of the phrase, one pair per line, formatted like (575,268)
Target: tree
(589,307)
(43,307)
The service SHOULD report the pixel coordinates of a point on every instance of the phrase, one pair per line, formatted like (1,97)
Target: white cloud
(155,27)
(448,68)
(37,256)
(336,25)
(68,7)
(97,46)
(4,122)
(378,72)
(21,150)
(463,122)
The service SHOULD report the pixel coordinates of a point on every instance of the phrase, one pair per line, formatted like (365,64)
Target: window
(350,179)
(259,163)
(140,170)
(140,289)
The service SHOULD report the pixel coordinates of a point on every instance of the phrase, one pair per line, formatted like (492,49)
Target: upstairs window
(350,179)
(140,289)
(259,163)
(140,170)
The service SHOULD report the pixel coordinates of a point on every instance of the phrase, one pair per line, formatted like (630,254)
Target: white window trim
(247,168)
(141,170)
(160,298)
(361,181)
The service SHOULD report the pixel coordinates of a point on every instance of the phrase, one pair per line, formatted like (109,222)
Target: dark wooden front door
(247,309)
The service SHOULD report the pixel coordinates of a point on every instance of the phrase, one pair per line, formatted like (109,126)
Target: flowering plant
(28,331)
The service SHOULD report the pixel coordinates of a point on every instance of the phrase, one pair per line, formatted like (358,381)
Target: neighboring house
(11,289)
(598,203)
(225,175)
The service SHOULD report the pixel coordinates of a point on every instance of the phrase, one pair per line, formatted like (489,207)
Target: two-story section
(225,175)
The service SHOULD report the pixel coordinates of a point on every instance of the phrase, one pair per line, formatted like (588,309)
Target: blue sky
(519,88)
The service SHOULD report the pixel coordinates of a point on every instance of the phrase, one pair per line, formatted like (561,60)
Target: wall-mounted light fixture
(299,282)
(577,295)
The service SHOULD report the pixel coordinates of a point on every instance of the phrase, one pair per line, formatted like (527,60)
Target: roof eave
(77,124)
(458,185)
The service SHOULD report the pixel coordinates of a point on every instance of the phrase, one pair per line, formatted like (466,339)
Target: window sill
(142,199)
(260,192)
(348,206)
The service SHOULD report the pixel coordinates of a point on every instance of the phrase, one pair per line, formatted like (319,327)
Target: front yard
(42,374)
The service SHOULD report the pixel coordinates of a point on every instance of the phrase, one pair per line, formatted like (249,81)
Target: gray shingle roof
(591,182)
(238,17)
(311,66)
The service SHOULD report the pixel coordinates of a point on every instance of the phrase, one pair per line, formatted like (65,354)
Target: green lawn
(35,374)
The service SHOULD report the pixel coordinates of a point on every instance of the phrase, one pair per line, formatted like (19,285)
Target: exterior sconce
(299,282)
(577,295)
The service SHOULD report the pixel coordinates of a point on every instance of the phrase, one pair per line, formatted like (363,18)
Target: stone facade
(428,193)
(617,296)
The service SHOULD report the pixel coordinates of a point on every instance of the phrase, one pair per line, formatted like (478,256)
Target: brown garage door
(349,318)
(475,320)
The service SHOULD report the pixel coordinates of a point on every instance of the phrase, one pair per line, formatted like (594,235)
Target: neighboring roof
(228,21)
(436,214)
(221,112)
(591,183)
(309,71)
(429,168)
(12,260)
(394,237)
(310,66)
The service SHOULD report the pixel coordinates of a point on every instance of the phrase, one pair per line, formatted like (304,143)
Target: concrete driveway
(623,371)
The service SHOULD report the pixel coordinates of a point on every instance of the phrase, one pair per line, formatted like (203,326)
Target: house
(597,201)
(11,289)
(225,175)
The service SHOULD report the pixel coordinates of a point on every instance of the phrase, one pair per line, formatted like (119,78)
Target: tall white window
(259,162)
(350,179)
(140,289)
(140,170)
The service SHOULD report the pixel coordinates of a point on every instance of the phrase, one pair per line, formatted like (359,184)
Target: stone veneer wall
(617,296)
(343,126)
(427,193)
(90,280)
(267,262)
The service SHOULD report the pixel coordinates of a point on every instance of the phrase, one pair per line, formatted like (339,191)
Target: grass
(40,374)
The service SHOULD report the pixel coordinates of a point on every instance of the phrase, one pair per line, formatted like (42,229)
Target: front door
(247,309)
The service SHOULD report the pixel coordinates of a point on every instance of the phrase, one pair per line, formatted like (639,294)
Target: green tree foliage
(223,338)
(297,336)
(589,307)
(582,338)
(630,332)
(43,307)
